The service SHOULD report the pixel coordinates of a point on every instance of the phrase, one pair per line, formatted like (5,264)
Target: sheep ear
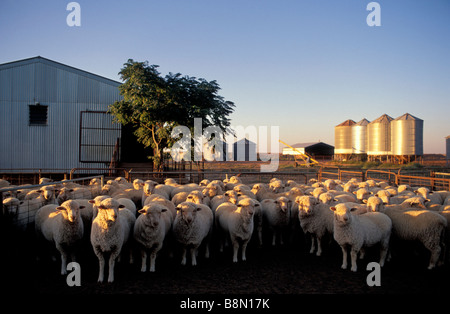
(276,202)
(364,201)
(257,205)
(333,208)
(142,211)
(60,208)
(353,209)
(91,201)
(81,207)
(101,207)
(121,206)
(198,208)
(163,210)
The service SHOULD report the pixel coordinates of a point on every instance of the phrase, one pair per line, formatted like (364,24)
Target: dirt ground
(268,271)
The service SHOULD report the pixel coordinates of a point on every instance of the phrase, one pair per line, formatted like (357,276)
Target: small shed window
(38,114)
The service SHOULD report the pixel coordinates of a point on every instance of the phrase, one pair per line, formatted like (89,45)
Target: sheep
(315,219)
(192,226)
(73,193)
(21,212)
(355,232)
(276,213)
(61,225)
(156,198)
(185,188)
(228,196)
(150,230)
(110,232)
(236,221)
(276,185)
(430,196)
(362,194)
(421,225)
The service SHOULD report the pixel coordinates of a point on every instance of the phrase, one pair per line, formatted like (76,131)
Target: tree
(155,104)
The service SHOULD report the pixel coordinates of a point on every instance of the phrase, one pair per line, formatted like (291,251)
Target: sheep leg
(244,249)
(235,250)
(344,257)
(153,260)
(112,261)
(193,252)
(313,244)
(183,257)
(101,263)
(144,261)
(319,246)
(274,237)
(354,256)
(63,259)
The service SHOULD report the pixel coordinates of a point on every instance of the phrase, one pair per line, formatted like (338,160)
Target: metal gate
(99,137)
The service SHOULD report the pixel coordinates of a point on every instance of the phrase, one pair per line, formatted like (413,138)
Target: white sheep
(236,222)
(433,198)
(422,225)
(356,232)
(192,226)
(63,226)
(150,230)
(315,219)
(276,213)
(66,193)
(110,232)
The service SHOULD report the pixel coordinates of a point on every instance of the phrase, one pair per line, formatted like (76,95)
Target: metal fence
(22,215)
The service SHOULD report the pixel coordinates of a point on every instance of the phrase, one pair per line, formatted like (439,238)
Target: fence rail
(23,215)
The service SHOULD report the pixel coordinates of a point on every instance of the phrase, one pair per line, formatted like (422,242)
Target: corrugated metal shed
(66,92)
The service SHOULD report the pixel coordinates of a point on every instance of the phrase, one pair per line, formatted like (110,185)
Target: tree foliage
(154,105)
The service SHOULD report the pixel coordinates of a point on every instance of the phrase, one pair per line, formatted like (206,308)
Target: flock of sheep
(121,217)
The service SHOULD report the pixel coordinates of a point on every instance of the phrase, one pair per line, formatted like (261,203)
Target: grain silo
(343,140)
(407,136)
(359,137)
(379,137)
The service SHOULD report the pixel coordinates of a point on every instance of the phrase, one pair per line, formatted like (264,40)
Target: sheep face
(210,191)
(362,194)
(283,204)
(326,198)
(48,192)
(305,205)
(64,195)
(152,214)
(374,204)
(149,186)
(384,195)
(195,197)
(415,202)
(108,210)
(342,214)
(187,212)
(70,210)
(246,208)
(11,204)
(231,196)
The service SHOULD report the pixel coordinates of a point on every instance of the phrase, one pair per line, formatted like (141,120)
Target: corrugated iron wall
(66,91)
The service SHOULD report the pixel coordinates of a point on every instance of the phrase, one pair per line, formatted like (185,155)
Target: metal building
(359,137)
(379,137)
(343,140)
(53,116)
(407,136)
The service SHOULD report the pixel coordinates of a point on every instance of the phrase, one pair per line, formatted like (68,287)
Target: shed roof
(65,67)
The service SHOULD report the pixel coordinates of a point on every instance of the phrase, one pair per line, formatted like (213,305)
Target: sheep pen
(286,269)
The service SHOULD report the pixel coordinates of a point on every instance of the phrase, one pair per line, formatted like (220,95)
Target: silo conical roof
(408,116)
(363,122)
(348,122)
(383,119)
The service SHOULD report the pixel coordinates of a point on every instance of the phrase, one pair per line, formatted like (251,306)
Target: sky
(303,66)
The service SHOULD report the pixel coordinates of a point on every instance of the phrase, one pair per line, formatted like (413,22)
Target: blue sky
(304,66)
